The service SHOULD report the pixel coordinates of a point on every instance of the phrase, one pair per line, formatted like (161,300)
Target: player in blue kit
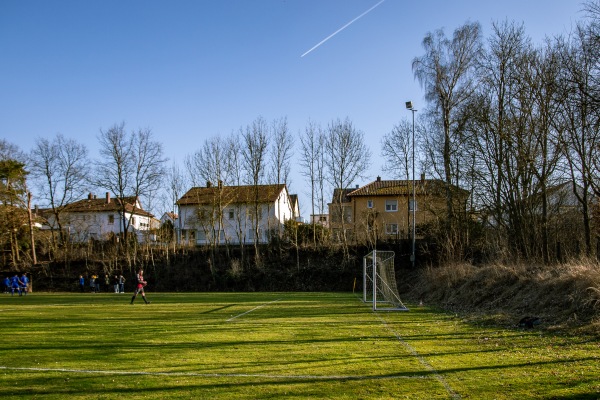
(15,284)
(24,284)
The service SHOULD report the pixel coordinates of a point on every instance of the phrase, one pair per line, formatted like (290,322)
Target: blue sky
(191,70)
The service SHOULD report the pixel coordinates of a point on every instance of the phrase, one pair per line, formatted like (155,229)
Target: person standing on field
(140,287)
(116,283)
(121,284)
(93,283)
(15,284)
(24,284)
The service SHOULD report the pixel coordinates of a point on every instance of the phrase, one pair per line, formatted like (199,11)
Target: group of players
(16,284)
(21,285)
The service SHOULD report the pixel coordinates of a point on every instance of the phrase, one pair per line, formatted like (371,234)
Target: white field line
(214,375)
(421,359)
(249,311)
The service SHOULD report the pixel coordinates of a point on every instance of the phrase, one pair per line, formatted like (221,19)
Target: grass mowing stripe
(218,375)
(421,359)
(249,311)
(307,345)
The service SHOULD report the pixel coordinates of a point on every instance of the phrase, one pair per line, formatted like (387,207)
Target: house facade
(383,209)
(320,219)
(340,214)
(102,218)
(234,214)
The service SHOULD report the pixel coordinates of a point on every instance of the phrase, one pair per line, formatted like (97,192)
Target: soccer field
(272,346)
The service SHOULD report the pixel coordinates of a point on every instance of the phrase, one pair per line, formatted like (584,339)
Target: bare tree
(234,159)
(396,150)
(130,165)
(445,71)
(579,120)
(493,119)
(346,159)
(211,163)
(311,152)
(177,185)
(61,169)
(255,139)
(282,145)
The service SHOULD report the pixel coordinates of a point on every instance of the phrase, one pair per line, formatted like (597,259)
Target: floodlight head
(409,105)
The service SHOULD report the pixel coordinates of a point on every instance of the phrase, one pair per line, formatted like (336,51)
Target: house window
(252,213)
(111,219)
(322,218)
(369,203)
(231,214)
(252,234)
(133,221)
(391,205)
(391,229)
(413,203)
(347,214)
(219,234)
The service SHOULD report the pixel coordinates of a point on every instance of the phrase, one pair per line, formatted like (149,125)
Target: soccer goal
(379,282)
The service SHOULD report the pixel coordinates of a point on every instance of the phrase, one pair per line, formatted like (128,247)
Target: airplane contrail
(342,28)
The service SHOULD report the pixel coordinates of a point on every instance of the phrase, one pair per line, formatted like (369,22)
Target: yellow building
(382,209)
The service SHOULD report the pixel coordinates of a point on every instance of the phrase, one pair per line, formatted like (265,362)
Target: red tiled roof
(401,187)
(101,205)
(232,194)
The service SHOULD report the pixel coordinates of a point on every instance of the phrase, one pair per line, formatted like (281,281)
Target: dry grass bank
(563,297)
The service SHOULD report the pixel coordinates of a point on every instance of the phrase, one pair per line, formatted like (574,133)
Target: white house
(234,214)
(170,217)
(101,218)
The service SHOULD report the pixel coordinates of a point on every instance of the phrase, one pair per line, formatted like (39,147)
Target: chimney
(208,184)
(220,184)
(378,179)
(107,197)
(90,196)
(422,177)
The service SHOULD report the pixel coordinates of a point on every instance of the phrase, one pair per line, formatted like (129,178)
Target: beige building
(382,209)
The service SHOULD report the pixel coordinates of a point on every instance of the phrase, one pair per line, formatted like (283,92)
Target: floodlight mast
(409,106)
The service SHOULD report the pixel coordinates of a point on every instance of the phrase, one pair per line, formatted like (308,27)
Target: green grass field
(273,346)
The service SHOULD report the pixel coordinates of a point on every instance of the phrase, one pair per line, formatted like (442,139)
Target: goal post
(379,282)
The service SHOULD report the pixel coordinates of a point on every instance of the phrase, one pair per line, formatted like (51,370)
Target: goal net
(379,282)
